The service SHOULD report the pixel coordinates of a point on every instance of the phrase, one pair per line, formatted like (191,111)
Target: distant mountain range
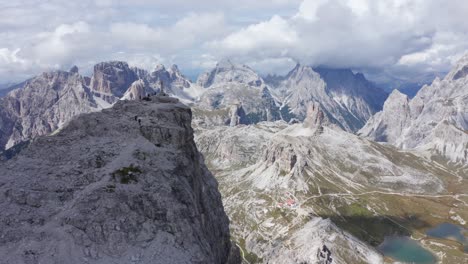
(46,102)
(315,165)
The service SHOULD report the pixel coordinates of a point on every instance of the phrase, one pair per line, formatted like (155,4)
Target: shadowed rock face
(461,73)
(110,189)
(112,78)
(42,105)
(348,99)
(436,119)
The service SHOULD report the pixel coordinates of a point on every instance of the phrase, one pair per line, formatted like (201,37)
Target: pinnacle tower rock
(315,118)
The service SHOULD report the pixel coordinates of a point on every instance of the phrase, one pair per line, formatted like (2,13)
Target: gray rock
(112,78)
(74,69)
(42,105)
(231,85)
(228,72)
(348,99)
(106,189)
(45,103)
(436,119)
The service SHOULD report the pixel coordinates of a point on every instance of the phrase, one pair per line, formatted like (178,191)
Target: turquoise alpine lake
(449,231)
(404,249)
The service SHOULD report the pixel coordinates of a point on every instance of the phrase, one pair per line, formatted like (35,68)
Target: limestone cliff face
(136,91)
(348,99)
(125,185)
(231,85)
(42,105)
(434,119)
(46,102)
(112,78)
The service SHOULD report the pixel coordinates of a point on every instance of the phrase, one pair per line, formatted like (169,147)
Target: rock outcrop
(315,118)
(112,78)
(230,84)
(42,105)
(136,91)
(348,99)
(108,188)
(228,72)
(417,123)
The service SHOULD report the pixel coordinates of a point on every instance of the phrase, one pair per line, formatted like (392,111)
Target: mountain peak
(112,77)
(74,69)
(175,68)
(300,71)
(117,64)
(397,95)
(460,70)
(397,101)
(225,63)
(159,67)
(228,72)
(412,124)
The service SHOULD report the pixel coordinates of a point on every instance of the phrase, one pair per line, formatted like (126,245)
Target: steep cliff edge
(125,185)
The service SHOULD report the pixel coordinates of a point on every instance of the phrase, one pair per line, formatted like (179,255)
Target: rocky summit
(234,94)
(436,119)
(125,185)
(348,99)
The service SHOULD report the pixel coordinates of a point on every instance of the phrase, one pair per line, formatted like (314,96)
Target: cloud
(426,35)
(184,33)
(142,44)
(11,64)
(266,38)
(59,45)
(404,37)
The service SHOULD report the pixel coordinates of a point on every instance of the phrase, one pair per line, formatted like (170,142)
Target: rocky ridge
(348,99)
(125,185)
(433,120)
(42,105)
(46,102)
(234,94)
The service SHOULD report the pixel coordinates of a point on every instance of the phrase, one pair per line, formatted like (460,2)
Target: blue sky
(386,39)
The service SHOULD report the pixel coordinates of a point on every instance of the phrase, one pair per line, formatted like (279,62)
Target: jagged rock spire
(162,92)
(315,118)
(74,69)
